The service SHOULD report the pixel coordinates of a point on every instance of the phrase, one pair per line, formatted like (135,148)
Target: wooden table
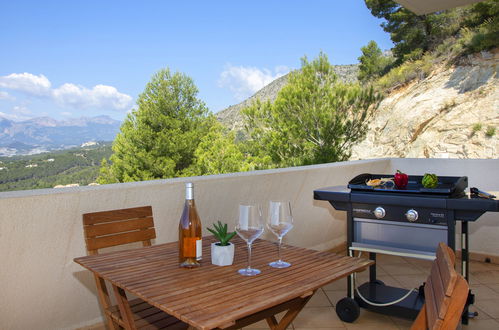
(212,297)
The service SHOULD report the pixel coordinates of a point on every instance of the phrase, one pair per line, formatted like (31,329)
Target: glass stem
(249,255)
(279,249)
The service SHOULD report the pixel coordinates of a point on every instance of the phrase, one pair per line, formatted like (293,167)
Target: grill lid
(448,186)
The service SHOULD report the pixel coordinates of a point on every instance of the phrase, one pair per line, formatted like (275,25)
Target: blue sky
(87,58)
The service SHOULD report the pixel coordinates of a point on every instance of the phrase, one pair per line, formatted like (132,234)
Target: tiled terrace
(400,272)
(407,273)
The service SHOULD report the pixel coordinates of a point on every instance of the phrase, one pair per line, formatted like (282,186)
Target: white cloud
(5,96)
(66,113)
(100,96)
(245,81)
(13,117)
(26,82)
(21,110)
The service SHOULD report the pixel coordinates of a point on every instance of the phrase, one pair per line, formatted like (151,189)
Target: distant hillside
(232,118)
(45,134)
(73,166)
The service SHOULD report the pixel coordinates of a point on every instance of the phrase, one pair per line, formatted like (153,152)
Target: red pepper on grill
(401,180)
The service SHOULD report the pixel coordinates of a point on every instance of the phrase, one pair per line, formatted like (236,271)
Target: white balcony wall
(41,231)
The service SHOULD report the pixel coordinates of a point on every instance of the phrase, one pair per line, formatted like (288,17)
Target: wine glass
(279,221)
(249,227)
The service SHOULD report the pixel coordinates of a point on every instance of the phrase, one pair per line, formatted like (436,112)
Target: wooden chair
(117,227)
(445,292)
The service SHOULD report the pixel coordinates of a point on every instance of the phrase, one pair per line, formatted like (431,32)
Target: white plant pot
(222,255)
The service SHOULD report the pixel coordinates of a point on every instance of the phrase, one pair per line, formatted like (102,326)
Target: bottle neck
(189,193)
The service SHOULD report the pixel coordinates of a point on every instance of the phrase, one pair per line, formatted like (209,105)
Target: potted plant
(222,252)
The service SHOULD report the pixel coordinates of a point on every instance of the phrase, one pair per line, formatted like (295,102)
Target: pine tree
(373,63)
(315,118)
(217,153)
(158,139)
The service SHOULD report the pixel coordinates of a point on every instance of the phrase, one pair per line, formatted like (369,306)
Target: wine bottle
(190,239)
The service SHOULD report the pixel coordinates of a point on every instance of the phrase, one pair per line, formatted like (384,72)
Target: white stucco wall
(41,231)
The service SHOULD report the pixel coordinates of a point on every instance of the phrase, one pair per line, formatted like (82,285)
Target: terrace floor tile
(318,317)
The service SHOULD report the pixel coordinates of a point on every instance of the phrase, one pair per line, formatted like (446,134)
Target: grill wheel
(347,309)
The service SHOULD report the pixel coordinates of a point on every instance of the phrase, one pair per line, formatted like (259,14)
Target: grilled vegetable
(379,182)
(401,180)
(430,180)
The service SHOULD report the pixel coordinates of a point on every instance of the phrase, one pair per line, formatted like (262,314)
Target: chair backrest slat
(433,321)
(438,291)
(445,293)
(117,215)
(114,240)
(445,261)
(117,227)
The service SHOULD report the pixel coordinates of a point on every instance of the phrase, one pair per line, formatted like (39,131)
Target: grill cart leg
(465,268)
(350,287)
(372,268)
(373,276)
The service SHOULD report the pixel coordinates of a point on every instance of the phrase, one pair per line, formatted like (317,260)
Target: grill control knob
(379,212)
(411,215)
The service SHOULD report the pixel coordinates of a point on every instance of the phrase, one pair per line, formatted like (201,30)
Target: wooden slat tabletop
(211,296)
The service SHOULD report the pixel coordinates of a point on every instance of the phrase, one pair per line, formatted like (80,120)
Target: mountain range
(45,134)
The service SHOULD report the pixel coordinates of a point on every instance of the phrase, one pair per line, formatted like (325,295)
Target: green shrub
(477,127)
(482,37)
(491,131)
(406,72)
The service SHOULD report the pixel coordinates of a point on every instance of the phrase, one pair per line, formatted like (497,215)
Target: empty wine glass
(279,221)
(249,227)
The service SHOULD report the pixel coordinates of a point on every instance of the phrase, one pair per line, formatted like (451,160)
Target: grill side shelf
(337,196)
(470,209)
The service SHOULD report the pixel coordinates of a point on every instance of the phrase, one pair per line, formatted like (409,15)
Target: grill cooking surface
(450,186)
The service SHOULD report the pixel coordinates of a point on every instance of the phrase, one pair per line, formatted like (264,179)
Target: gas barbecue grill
(408,223)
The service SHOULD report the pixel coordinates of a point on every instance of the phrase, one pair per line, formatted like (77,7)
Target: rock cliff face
(453,113)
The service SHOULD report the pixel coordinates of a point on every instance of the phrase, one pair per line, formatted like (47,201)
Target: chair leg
(420,322)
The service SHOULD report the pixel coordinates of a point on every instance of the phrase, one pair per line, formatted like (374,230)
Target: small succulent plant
(220,232)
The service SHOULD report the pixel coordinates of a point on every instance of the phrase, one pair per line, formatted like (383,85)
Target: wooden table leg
(124,306)
(272,322)
(292,308)
(290,315)
(105,302)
